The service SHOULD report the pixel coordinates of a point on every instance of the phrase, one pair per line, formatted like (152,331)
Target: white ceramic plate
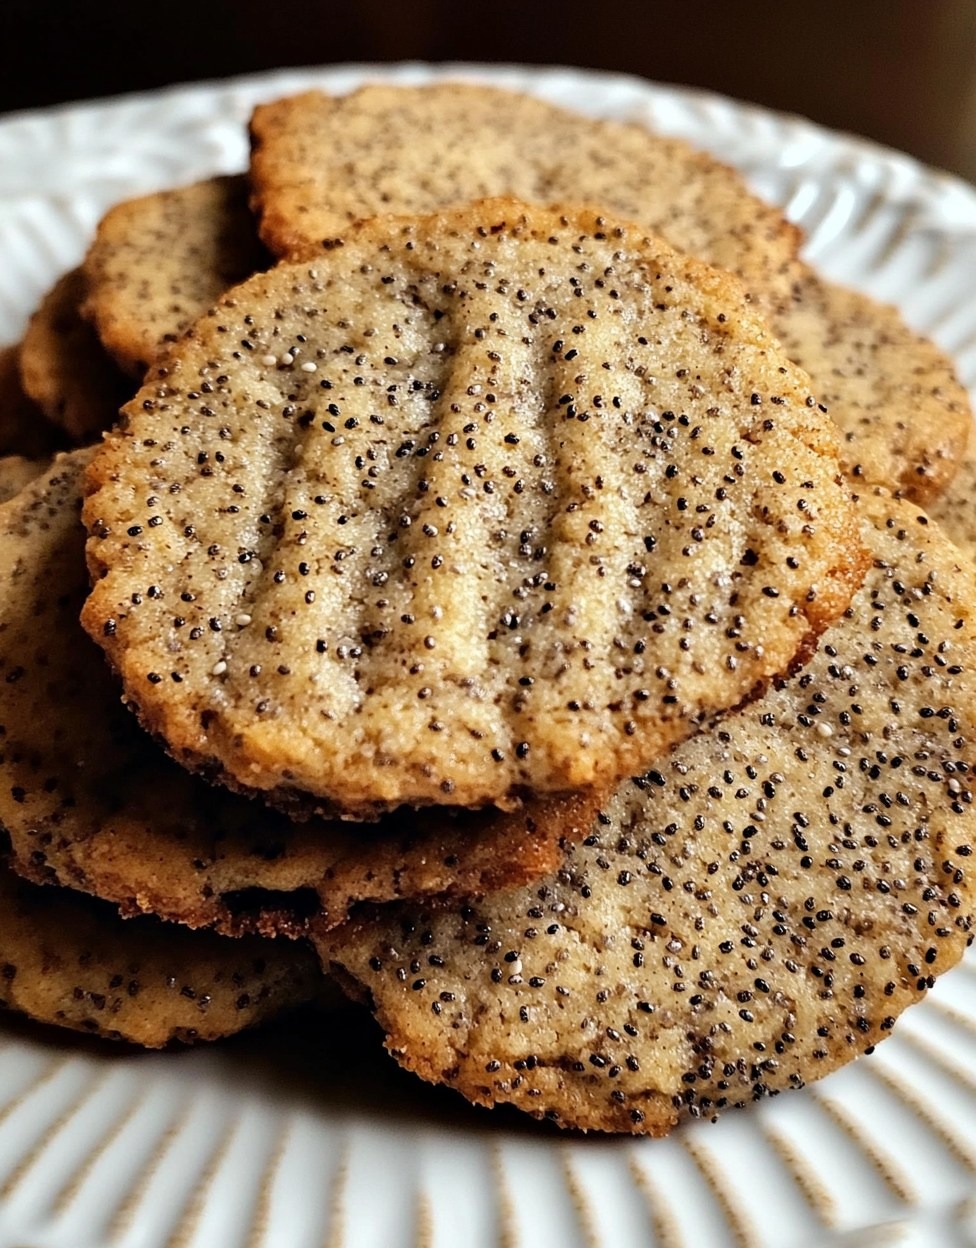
(303,1138)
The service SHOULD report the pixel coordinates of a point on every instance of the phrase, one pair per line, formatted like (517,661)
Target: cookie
(955,510)
(89,801)
(904,418)
(16,472)
(746,917)
(158,262)
(320,162)
(492,502)
(72,961)
(24,429)
(64,368)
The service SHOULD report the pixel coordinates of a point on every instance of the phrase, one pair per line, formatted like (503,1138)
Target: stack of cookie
(512,582)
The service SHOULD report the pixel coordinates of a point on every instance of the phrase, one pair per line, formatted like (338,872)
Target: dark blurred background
(900,71)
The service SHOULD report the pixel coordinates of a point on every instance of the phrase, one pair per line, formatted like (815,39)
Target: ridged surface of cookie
(904,418)
(24,429)
(89,801)
(745,918)
(158,262)
(64,367)
(483,503)
(73,962)
(320,162)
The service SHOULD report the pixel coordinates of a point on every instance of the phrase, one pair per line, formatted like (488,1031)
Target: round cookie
(320,162)
(904,419)
(24,429)
(746,917)
(73,962)
(487,503)
(88,800)
(158,262)
(16,472)
(64,368)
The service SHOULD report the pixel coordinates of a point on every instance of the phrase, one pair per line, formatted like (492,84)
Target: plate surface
(307,1136)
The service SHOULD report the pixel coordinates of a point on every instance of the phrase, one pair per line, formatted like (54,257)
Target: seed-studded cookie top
(318,163)
(89,801)
(483,503)
(746,917)
(904,419)
(158,262)
(72,961)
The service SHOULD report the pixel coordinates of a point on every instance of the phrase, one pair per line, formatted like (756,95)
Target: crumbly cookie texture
(320,162)
(158,262)
(492,502)
(71,961)
(64,367)
(904,418)
(89,801)
(24,429)
(16,472)
(743,919)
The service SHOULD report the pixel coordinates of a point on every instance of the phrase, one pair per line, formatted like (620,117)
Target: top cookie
(319,163)
(488,502)
(158,262)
